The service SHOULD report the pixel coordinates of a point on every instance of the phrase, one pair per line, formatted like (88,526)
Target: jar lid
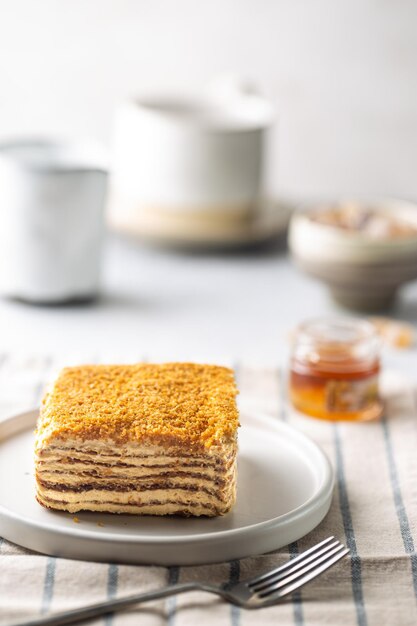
(54,155)
(336,340)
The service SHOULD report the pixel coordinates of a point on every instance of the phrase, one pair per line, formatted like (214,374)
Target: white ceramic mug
(51,220)
(189,158)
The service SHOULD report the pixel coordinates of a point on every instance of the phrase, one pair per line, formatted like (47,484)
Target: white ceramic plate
(270,222)
(285,488)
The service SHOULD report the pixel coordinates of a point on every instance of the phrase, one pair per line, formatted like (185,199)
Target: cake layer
(152,508)
(60,473)
(167,500)
(79,456)
(88,448)
(186,480)
(83,460)
(46,470)
(147,464)
(142,439)
(147,477)
(133,487)
(139,467)
(132,496)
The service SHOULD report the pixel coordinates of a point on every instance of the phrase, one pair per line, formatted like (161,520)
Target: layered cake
(142,439)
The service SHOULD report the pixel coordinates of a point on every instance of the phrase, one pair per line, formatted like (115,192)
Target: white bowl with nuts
(364,250)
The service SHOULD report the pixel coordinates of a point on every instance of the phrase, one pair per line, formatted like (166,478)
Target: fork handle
(116,604)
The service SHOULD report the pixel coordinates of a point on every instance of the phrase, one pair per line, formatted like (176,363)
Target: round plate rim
(324,491)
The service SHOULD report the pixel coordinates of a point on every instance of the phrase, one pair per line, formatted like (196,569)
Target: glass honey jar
(334,370)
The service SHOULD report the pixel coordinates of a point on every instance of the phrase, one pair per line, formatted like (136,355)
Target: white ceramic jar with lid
(189,160)
(51,219)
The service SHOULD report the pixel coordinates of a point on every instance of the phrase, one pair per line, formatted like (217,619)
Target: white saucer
(270,221)
(285,488)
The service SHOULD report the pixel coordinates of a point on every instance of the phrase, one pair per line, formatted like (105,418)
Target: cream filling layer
(168,508)
(143,479)
(115,471)
(72,481)
(132,497)
(220,452)
(138,458)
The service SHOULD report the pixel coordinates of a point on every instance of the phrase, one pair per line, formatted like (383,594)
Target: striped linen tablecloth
(374,511)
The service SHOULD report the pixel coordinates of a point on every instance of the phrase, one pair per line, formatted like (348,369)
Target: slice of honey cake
(142,439)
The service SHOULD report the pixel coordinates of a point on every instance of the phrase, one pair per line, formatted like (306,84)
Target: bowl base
(367,302)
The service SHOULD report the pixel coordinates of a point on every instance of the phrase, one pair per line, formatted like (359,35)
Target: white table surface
(175,306)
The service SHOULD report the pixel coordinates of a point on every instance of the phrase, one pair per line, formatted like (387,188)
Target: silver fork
(254,593)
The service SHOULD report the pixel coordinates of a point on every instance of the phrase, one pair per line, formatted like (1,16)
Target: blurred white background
(343,76)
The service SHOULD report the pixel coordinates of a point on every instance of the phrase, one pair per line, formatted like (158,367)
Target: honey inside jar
(334,370)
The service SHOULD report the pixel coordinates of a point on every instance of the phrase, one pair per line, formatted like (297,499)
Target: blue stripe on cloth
(173,578)
(234,578)
(296,596)
(112,582)
(356,566)
(48,585)
(399,503)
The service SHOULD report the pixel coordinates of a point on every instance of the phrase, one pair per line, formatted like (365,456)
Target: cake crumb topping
(183,403)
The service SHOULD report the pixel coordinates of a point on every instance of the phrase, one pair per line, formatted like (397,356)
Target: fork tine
(284,591)
(289,564)
(315,566)
(294,567)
